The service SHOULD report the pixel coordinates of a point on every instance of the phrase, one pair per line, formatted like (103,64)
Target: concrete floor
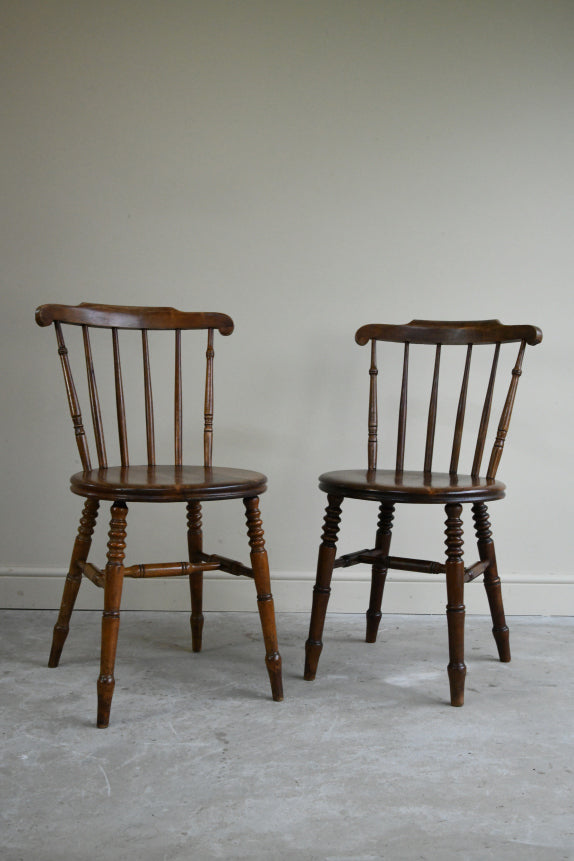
(366,762)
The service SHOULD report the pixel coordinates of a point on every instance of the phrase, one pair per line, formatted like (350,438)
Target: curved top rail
(132,317)
(448,332)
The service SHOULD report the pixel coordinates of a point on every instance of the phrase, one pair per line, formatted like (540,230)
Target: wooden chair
(391,486)
(152,482)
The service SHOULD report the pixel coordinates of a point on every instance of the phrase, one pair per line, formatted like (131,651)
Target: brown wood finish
(491,579)
(208,405)
(149,421)
(446,332)
(506,415)
(260,568)
(113,585)
(74,578)
(379,570)
(94,402)
(388,487)
(167,483)
(123,483)
(455,602)
(458,428)
(120,405)
(403,413)
(131,317)
(322,588)
(195,548)
(73,402)
(485,417)
(431,423)
(373,412)
(178,402)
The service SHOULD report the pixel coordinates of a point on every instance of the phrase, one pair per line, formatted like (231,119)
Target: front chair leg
(195,545)
(260,567)
(114,578)
(80,553)
(322,588)
(455,603)
(491,579)
(379,570)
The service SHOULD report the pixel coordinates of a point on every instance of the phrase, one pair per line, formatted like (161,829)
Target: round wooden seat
(167,483)
(410,486)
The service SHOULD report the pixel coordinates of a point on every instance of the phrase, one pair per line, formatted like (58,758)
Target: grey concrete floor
(367,762)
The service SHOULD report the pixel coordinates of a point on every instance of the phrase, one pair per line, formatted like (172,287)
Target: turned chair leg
(195,546)
(114,578)
(455,603)
(379,570)
(322,588)
(491,579)
(80,553)
(260,567)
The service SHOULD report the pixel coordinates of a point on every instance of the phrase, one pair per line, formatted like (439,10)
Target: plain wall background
(305,167)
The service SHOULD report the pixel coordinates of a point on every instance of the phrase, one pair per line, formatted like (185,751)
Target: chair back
(442,333)
(116,318)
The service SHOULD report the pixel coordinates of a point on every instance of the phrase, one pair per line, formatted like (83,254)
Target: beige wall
(305,167)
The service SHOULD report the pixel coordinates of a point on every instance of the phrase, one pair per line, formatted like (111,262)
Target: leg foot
(456,677)
(106,686)
(455,611)
(73,579)
(260,566)
(379,571)
(322,588)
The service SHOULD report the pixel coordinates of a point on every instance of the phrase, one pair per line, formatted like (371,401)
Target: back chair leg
(379,570)
(455,603)
(260,566)
(322,588)
(114,578)
(80,553)
(491,579)
(195,546)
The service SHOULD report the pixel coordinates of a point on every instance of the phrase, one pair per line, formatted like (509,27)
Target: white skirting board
(524,593)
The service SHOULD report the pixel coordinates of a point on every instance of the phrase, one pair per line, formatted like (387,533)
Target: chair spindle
(431,425)
(120,404)
(460,414)
(178,407)
(485,417)
(94,401)
(150,437)
(373,411)
(506,415)
(73,401)
(403,412)
(208,406)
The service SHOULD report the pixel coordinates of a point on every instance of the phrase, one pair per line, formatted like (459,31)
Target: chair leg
(195,545)
(114,578)
(322,588)
(379,570)
(491,579)
(260,566)
(455,603)
(80,552)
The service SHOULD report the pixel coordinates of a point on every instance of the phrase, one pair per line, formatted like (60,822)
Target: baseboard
(524,593)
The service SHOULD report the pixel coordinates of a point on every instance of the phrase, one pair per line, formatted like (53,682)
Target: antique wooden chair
(152,482)
(391,486)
